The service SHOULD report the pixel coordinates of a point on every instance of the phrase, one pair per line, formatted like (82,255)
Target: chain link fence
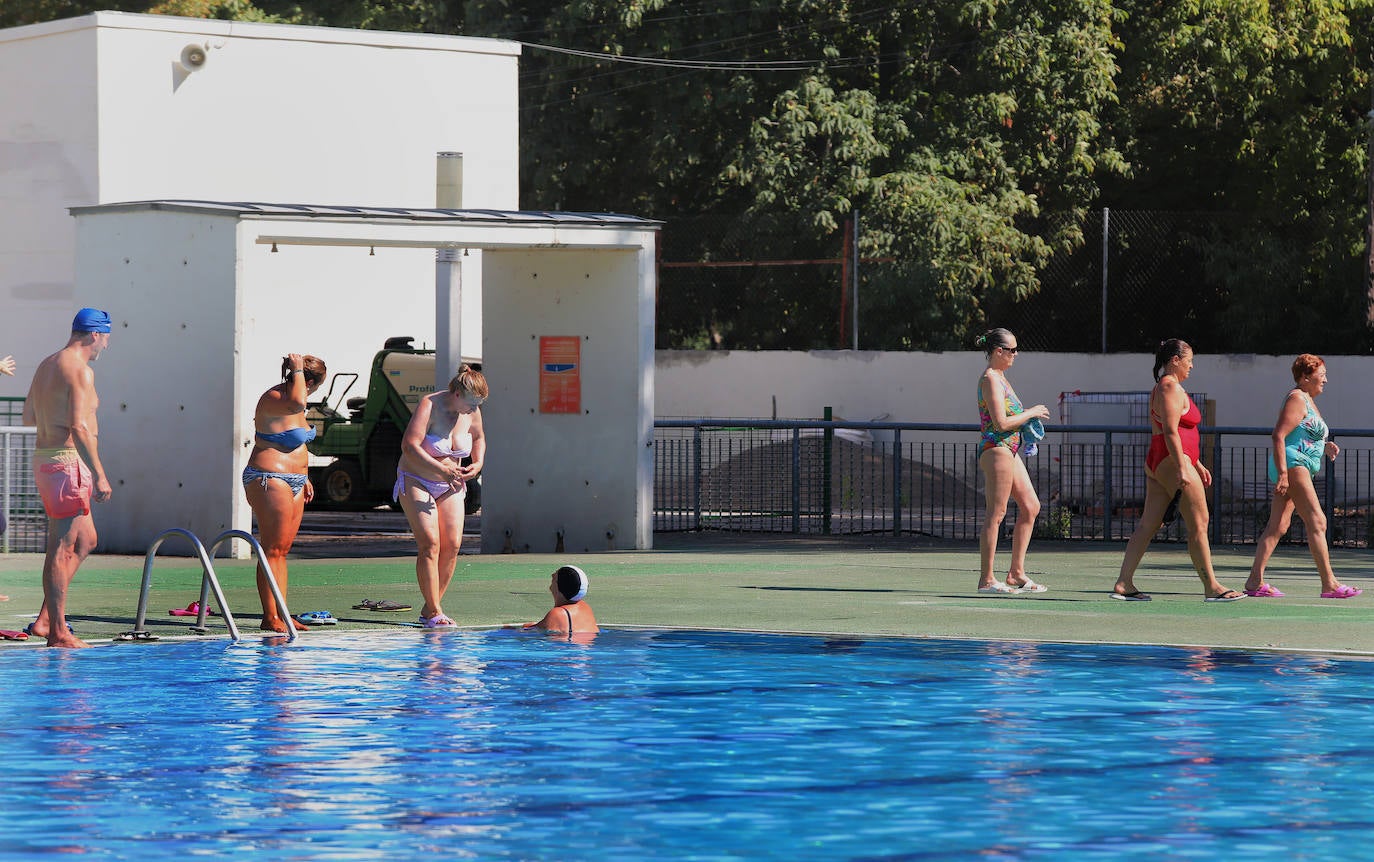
(748,282)
(1221,281)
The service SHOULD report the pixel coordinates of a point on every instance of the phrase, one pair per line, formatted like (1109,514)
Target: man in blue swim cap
(66,465)
(91,320)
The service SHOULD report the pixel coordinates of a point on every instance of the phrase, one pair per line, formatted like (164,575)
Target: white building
(115,107)
(571,453)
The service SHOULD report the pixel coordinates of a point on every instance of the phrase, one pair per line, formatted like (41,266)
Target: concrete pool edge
(829,589)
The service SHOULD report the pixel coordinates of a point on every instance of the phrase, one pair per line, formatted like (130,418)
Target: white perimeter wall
(96,110)
(941,387)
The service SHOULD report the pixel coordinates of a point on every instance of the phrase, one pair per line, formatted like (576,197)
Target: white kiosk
(207,297)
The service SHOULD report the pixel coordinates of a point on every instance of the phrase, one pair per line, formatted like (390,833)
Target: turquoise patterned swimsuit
(1305,445)
(992,438)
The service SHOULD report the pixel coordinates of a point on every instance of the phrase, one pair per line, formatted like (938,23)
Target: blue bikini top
(291,438)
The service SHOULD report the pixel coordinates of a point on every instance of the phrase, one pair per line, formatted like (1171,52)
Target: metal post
(796,481)
(5,491)
(1369,215)
(1213,522)
(896,482)
(696,477)
(846,233)
(1106,232)
(826,449)
(1107,488)
(448,275)
(854,275)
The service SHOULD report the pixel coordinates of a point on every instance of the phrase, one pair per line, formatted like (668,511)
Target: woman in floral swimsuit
(1003,420)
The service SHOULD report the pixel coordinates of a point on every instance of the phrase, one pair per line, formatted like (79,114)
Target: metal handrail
(271,578)
(208,582)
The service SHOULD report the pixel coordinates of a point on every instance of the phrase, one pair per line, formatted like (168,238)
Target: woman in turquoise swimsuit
(1003,421)
(1299,446)
(276,481)
(1173,472)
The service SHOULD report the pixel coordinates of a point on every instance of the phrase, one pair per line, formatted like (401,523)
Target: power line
(711,65)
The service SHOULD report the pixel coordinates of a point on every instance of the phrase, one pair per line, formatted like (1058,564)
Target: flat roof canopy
(401,227)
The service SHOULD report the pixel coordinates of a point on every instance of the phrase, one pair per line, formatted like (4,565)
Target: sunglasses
(1011,350)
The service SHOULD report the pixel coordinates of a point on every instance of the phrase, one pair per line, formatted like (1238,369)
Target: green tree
(951,128)
(1255,109)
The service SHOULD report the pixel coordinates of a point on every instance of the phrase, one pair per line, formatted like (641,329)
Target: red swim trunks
(64,482)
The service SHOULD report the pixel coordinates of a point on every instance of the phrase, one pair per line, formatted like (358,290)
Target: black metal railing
(899,478)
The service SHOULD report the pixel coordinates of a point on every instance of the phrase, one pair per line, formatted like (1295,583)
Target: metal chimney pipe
(448,181)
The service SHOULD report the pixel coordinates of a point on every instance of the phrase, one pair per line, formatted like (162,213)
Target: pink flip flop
(191,610)
(1264,591)
(1342,592)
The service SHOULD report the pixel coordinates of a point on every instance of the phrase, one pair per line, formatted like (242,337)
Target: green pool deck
(849,586)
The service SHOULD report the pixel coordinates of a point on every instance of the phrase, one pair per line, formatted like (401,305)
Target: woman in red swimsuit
(1172,470)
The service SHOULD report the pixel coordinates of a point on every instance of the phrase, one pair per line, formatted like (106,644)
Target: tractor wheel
(341,483)
(473,502)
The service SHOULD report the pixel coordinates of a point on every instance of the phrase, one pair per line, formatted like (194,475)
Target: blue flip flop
(28,629)
(318,618)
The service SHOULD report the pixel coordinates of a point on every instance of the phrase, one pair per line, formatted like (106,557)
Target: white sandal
(997,587)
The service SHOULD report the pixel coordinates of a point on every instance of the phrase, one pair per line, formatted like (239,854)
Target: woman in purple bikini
(431,482)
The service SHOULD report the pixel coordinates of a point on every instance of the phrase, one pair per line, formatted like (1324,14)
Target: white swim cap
(572,582)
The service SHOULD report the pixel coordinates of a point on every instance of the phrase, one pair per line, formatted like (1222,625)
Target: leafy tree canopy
(972,136)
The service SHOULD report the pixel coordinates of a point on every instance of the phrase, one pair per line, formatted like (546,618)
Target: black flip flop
(1171,513)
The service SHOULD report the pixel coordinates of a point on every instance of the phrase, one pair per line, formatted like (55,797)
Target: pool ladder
(208,582)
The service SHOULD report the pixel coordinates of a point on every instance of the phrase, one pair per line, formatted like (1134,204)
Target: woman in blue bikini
(276,481)
(1295,459)
(431,482)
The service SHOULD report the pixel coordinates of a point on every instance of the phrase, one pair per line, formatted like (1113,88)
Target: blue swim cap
(1034,430)
(91,320)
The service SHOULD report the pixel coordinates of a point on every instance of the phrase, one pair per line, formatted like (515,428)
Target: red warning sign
(560,374)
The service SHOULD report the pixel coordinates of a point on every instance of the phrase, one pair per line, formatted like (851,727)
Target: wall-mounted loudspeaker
(193,57)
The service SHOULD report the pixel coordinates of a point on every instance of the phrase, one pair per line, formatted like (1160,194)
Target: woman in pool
(1295,459)
(1003,423)
(445,428)
(570,613)
(1174,475)
(276,480)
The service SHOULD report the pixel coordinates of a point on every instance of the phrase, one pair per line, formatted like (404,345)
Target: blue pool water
(682,745)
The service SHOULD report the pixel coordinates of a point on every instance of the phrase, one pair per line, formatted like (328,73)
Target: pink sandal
(1342,592)
(1264,591)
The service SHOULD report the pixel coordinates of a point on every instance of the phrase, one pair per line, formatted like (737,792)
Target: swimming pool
(682,745)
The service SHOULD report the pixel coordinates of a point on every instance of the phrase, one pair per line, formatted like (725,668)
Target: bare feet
(279,626)
(67,641)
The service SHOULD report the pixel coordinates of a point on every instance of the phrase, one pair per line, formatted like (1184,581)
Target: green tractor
(365,443)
